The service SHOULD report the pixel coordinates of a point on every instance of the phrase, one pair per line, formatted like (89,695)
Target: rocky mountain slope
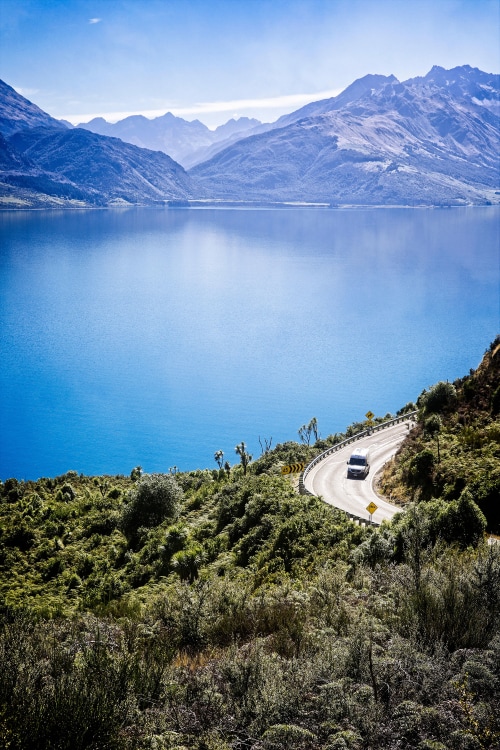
(106,169)
(189,143)
(44,163)
(430,140)
(18,113)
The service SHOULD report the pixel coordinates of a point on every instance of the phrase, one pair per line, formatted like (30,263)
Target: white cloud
(288,102)
(26,92)
(95,20)
(276,102)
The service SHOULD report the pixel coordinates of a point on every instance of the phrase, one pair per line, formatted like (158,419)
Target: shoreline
(209,203)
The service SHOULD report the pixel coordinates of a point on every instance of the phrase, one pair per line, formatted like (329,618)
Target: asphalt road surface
(329,477)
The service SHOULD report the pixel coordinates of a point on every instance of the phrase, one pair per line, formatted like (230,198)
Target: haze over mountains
(189,143)
(428,140)
(432,140)
(44,163)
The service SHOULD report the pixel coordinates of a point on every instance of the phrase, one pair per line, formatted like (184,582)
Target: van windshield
(357,461)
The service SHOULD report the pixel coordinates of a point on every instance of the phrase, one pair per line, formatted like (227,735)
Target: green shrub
(421,470)
(288,737)
(439,398)
(155,498)
(462,522)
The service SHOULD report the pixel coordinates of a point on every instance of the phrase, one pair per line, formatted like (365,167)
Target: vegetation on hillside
(219,609)
(454,452)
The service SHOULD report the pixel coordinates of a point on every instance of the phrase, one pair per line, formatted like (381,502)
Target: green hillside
(455,449)
(220,609)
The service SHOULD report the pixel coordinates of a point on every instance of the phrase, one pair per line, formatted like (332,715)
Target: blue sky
(215,59)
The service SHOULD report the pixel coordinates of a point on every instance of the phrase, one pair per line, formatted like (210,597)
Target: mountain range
(189,143)
(45,163)
(431,140)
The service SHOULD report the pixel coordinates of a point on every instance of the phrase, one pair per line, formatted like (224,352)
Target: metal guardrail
(338,446)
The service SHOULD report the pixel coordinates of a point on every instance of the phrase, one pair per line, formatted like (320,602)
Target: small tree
(412,540)
(266,447)
(187,562)
(433,427)
(313,426)
(136,473)
(439,398)
(308,430)
(410,406)
(495,401)
(304,436)
(421,470)
(155,498)
(463,521)
(219,458)
(245,457)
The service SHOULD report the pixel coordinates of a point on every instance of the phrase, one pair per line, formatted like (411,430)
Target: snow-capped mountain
(429,140)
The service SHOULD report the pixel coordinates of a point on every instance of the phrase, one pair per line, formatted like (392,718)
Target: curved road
(329,477)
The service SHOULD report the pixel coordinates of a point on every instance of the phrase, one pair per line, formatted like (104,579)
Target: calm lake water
(158,336)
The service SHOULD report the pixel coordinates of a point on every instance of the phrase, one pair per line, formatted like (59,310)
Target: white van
(359,463)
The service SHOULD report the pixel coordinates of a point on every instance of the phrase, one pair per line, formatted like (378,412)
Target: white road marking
(329,477)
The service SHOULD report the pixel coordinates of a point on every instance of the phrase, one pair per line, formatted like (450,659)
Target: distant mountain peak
(428,140)
(94,121)
(236,125)
(439,69)
(173,135)
(446,77)
(359,88)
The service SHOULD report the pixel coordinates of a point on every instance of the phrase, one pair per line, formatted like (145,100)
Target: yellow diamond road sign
(369,415)
(371,508)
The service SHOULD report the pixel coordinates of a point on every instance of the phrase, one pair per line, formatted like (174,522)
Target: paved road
(329,477)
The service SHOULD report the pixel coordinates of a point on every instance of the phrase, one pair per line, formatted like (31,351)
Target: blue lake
(158,336)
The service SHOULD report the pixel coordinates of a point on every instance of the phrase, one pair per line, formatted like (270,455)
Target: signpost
(371,510)
(292,469)
(369,415)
